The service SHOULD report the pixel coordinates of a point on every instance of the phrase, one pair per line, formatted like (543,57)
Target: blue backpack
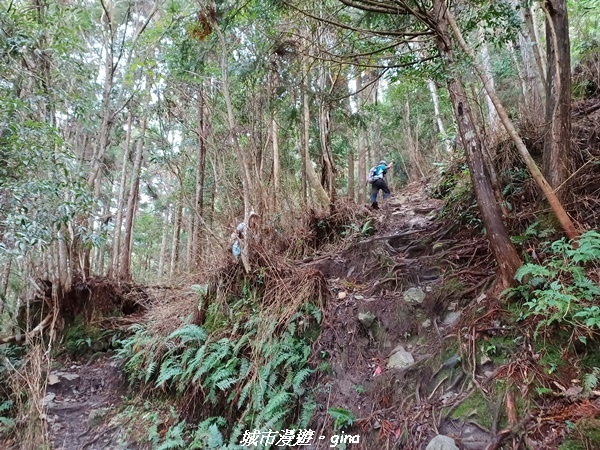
(376,173)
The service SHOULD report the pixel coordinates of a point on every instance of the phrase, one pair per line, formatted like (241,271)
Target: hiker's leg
(385,189)
(374,192)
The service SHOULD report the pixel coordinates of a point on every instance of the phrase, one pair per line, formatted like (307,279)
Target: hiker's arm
(389,166)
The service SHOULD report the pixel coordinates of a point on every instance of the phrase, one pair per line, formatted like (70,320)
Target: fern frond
(299,378)
(189,332)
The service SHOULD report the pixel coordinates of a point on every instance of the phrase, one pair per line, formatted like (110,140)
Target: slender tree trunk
(412,147)
(525,97)
(493,120)
(532,29)
(554,202)
(176,237)
(276,167)
(243,165)
(328,181)
(351,180)
(163,244)
(532,62)
(504,252)
(101,249)
(4,283)
(327,168)
(113,267)
(125,268)
(200,179)
(311,174)
(65,272)
(438,116)
(362,158)
(189,226)
(558,157)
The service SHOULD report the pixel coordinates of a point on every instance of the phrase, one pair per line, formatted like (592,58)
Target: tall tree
(558,157)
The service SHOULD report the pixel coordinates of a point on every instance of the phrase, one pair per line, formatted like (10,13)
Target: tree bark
(313,180)
(438,116)
(276,164)
(176,237)
(493,120)
(4,283)
(558,158)
(328,181)
(532,61)
(362,158)
(504,252)
(163,244)
(200,177)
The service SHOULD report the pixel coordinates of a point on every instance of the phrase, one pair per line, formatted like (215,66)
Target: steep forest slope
(379,332)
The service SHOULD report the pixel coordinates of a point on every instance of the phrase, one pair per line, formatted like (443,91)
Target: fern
(299,378)
(174,438)
(150,370)
(189,332)
(168,372)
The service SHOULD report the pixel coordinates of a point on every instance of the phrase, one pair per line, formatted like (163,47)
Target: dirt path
(380,345)
(80,400)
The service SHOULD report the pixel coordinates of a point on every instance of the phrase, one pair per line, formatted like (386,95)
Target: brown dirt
(391,405)
(81,400)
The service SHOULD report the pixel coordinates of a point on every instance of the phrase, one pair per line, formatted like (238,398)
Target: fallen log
(19,338)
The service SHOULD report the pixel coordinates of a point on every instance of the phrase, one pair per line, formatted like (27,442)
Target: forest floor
(407,350)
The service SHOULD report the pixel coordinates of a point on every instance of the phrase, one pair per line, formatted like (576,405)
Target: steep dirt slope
(392,310)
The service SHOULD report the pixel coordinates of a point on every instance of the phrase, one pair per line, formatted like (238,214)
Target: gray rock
(366,318)
(414,296)
(400,359)
(426,324)
(451,318)
(96,416)
(48,399)
(441,442)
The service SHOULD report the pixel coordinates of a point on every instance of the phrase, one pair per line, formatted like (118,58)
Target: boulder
(400,359)
(414,296)
(441,442)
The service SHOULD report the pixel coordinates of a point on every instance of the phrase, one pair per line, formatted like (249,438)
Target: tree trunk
(438,116)
(532,62)
(558,158)
(4,284)
(243,165)
(163,245)
(125,268)
(328,181)
(176,237)
(200,178)
(412,147)
(525,94)
(362,159)
(504,252)
(555,204)
(351,180)
(113,267)
(276,167)
(493,120)
(311,174)
(532,29)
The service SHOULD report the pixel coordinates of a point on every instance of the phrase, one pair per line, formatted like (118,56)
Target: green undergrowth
(244,369)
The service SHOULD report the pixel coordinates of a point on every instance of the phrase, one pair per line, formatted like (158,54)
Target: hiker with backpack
(377,180)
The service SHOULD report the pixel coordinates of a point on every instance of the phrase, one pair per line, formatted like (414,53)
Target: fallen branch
(18,337)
